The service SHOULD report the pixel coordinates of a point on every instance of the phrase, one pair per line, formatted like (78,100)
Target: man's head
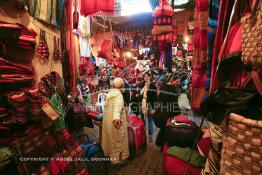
(118,83)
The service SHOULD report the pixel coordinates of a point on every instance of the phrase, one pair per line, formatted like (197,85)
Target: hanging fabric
(68,51)
(42,50)
(93,7)
(200,53)
(212,27)
(85,34)
(49,11)
(230,52)
(225,10)
(75,15)
(107,44)
(57,53)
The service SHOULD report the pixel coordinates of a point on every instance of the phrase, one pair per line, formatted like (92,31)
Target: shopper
(84,95)
(149,98)
(167,108)
(114,126)
(135,95)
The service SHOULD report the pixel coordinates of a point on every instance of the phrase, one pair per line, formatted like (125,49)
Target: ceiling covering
(139,20)
(142,19)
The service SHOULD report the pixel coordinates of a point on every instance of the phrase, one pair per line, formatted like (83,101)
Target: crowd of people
(153,95)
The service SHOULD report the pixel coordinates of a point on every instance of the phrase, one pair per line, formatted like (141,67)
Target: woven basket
(242,146)
(251,40)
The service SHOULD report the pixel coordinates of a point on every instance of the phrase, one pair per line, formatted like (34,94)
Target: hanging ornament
(42,50)
(57,53)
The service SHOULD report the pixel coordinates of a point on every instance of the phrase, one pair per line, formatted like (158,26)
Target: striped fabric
(212,27)
(213,161)
(199,56)
(225,10)
(49,11)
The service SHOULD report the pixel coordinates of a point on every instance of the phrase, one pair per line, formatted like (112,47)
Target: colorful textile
(49,11)
(203,146)
(229,54)
(176,166)
(212,27)
(92,7)
(225,10)
(212,165)
(184,153)
(12,72)
(17,34)
(200,53)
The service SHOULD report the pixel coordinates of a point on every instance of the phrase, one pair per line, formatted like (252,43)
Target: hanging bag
(252,28)
(54,107)
(106,46)
(75,15)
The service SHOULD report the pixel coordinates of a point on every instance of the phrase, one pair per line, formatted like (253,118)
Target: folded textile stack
(12,72)
(17,34)
(34,104)
(18,108)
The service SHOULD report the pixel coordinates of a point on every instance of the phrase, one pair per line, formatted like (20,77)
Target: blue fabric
(214,6)
(90,149)
(93,60)
(150,123)
(99,117)
(160,77)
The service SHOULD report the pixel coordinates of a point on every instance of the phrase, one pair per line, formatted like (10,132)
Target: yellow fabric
(115,141)
(144,101)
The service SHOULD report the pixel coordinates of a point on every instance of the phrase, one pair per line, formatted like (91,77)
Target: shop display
(78,99)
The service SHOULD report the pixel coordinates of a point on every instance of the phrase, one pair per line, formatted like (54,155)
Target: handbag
(50,111)
(92,150)
(54,107)
(252,28)
(106,46)
(75,15)
(106,49)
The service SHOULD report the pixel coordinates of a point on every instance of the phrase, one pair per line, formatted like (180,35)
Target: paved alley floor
(150,162)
